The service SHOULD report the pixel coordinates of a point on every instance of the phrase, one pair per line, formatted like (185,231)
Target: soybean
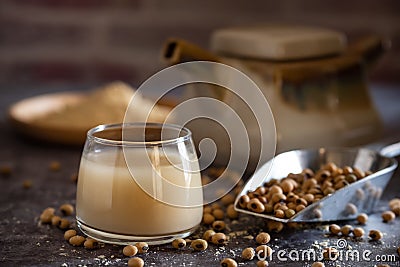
(347,170)
(351,209)
(388,216)
(301,201)
(329,190)
(67,209)
(359,173)
(5,170)
(231,212)
(275,226)
(248,253)
(63,224)
(317,213)
(278,197)
(275,189)
(309,198)
(227,199)
(308,173)
(394,206)
(300,208)
(334,229)
(262,263)
(135,262)
(179,243)
(394,202)
(351,178)
(208,234)
(375,235)
(263,238)
(130,250)
(362,218)
(243,201)
(207,209)
(346,230)
(322,175)
(199,244)
(279,214)
(218,214)
(218,225)
(228,262)
(90,243)
(330,166)
(77,240)
(69,233)
(218,238)
(261,190)
(287,186)
(268,208)
(47,215)
(27,183)
(216,205)
(55,166)
(358,232)
(143,247)
(291,205)
(55,220)
(291,197)
(396,210)
(289,213)
(255,205)
(208,218)
(338,171)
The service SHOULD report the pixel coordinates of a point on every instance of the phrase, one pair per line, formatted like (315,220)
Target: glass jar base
(121,239)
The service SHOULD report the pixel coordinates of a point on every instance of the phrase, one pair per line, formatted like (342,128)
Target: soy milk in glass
(143,187)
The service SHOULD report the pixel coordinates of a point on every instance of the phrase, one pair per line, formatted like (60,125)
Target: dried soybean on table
(24,242)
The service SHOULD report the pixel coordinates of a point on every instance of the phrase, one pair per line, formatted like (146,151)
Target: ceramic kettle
(315,83)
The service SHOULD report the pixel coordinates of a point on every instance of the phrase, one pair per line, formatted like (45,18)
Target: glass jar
(139,182)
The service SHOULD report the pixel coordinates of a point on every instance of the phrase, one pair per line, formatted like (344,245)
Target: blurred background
(96,41)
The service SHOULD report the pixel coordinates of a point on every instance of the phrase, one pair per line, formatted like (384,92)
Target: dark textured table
(25,242)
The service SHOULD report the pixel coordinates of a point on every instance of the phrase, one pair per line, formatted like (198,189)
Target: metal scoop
(343,204)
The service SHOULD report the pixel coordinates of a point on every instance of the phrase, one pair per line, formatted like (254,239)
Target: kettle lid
(279,42)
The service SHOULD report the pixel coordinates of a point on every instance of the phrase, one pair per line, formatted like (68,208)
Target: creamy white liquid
(109,199)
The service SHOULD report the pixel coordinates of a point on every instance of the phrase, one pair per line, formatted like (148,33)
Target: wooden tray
(23,116)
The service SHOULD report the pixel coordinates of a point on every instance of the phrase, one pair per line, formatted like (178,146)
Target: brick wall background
(94,41)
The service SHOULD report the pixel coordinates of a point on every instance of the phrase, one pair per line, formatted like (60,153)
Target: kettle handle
(177,50)
(369,48)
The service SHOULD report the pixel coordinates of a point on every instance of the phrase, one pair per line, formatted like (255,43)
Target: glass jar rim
(138,125)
